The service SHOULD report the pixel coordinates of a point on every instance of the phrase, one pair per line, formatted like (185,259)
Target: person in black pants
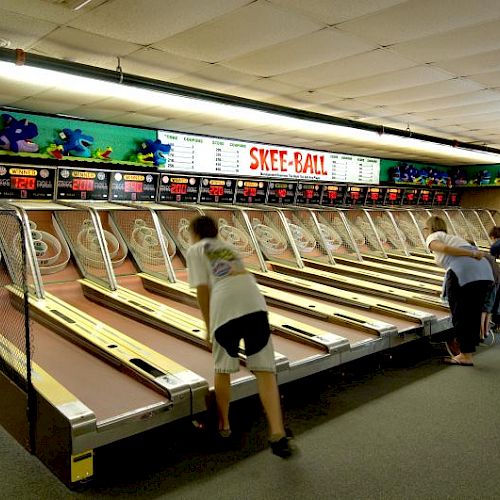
(469,278)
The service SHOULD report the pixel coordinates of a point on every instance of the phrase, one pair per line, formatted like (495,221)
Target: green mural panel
(123,140)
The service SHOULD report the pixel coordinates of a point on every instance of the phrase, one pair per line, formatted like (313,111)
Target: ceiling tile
(350,68)
(438,103)
(417,19)
(42,106)
(453,44)
(491,79)
(446,88)
(75,45)
(93,113)
(41,10)
(336,11)
(469,65)
(159,65)
(21,89)
(146,23)
(215,78)
(263,89)
(394,80)
(308,50)
(23,31)
(137,119)
(251,28)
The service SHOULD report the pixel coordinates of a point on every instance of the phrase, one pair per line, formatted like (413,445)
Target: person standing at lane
(469,278)
(234,309)
(494,234)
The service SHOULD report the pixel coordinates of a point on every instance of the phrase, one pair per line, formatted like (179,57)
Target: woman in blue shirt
(469,278)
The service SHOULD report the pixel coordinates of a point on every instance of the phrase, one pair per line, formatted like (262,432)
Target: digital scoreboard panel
(126,186)
(393,196)
(27,182)
(410,196)
(355,195)
(332,195)
(374,195)
(178,188)
(216,190)
(308,194)
(75,184)
(251,191)
(453,199)
(439,198)
(204,155)
(281,193)
(424,197)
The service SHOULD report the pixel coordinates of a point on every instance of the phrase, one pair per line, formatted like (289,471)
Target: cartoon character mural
(152,153)
(74,143)
(17,135)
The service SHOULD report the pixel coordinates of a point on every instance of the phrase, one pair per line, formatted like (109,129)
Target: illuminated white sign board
(211,155)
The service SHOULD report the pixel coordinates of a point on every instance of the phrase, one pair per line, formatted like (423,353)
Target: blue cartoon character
(17,135)
(395,173)
(75,143)
(483,177)
(152,153)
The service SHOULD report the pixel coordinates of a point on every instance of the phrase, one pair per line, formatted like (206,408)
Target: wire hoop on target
(332,239)
(271,242)
(305,241)
(235,237)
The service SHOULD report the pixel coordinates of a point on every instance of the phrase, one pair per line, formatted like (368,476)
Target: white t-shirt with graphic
(233,291)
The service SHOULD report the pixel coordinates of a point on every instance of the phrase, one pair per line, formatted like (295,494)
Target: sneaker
(283,447)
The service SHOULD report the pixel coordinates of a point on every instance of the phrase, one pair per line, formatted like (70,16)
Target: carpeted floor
(392,426)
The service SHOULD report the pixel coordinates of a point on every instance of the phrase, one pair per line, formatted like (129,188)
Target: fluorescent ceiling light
(243,115)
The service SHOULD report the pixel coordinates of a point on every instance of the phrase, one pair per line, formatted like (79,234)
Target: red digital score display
(394,196)
(281,193)
(178,188)
(439,198)
(133,187)
(250,192)
(410,196)
(332,195)
(308,194)
(453,198)
(82,185)
(374,196)
(425,197)
(355,195)
(216,191)
(28,183)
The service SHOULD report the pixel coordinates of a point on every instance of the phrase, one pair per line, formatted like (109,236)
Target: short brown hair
(495,232)
(204,226)
(435,224)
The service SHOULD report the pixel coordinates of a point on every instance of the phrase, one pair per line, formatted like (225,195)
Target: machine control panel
(216,190)
(308,194)
(129,186)
(178,188)
(75,184)
(251,191)
(281,193)
(27,182)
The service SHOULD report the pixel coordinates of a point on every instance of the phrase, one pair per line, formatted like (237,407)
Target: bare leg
(222,385)
(270,398)
(484,325)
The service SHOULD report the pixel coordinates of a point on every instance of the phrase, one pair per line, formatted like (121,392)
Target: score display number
(281,193)
(216,191)
(250,192)
(133,187)
(82,185)
(178,188)
(27,183)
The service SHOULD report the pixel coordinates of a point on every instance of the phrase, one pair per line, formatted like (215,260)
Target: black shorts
(253,329)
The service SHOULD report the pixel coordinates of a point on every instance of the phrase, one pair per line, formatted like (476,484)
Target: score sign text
(289,161)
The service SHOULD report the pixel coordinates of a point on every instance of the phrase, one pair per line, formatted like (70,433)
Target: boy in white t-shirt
(234,309)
